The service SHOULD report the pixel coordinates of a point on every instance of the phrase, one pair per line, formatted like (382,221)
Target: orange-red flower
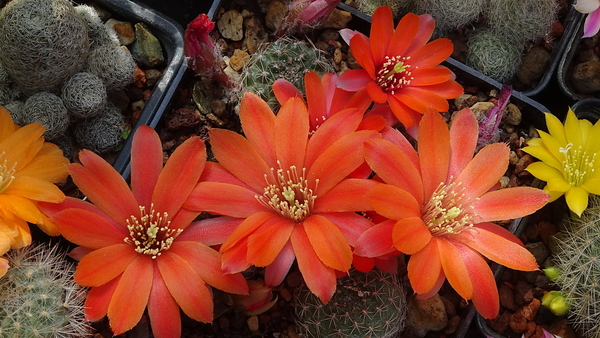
(399,66)
(137,250)
(287,193)
(439,206)
(29,167)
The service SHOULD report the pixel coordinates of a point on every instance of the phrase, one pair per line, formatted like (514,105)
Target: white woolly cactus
(38,297)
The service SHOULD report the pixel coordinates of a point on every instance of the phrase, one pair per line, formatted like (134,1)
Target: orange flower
(137,249)
(400,67)
(29,167)
(439,204)
(287,194)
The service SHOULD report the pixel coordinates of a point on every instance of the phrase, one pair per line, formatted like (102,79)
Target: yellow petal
(558,184)
(22,145)
(21,207)
(5,241)
(573,130)
(543,171)
(554,195)
(592,186)
(48,164)
(536,142)
(556,128)
(577,199)
(35,189)
(553,145)
(544,155)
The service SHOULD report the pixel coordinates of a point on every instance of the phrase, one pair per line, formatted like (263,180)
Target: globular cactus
(285,58)
(98,33)
(102,133)
(113,64)
(84,95)
(42,42)
(521,20)
(398,7)
(15,109)
(493,55)
(365,305)
(451,14)
(49,110)
(38,297)
(577,256)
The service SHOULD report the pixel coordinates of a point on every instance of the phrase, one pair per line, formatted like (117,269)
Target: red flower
(439,208)
(287,194)
(137,250)
(400,67)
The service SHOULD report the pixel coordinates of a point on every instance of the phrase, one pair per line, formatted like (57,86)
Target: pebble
(426,315)
(252,322)
(286,294)
(152,76)
(239,59)
(465,101)
(146,49)
(139,77)
(338,19)
(512,115)
(230,25)
(124,30)
(254,34)
(337,56)
(507,298)
(586,77)
(538,250)
(533,65)
(275,14)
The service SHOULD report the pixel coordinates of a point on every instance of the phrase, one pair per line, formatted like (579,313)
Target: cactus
(451,14)
(102,133)
(84,95)
(369,304)
(42,43)
(577,256)
(15,109)
(49,110)
(521,20)
(285,58)
(114,65)
(398,7)
(38,297)
(493,55)
(98,33)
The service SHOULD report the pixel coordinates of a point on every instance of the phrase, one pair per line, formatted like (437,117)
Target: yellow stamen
(395,73)
(150,233)
(578,165)
(448,210)
(7,173)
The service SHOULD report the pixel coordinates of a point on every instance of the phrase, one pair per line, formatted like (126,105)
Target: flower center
(7,173)
(394,74)
(290,195)
(578,165)
(150,233)
(448,211)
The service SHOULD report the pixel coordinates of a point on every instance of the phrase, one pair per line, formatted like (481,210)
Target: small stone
(523,293)
(124,30)
(337,56)
(507,298)
(533,65)
(330,35)
(561,328)
(523,163)
(275,14)
(218,107)
(500,323)
(426,315)
(286,294)
(504,181)
(338,19)
(586,77)
(230,25)
(518,323)
(512,115)
(513,158)
(465,101)
(480,109)
(139,77)
(146,49)
(138,105)
(239,59)
(352,63)
(538,250)
(253,323)
(291,331)
(452,325)
(152,76)
(255,34)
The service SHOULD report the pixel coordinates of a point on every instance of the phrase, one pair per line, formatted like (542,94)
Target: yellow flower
(569,163)
(29,167)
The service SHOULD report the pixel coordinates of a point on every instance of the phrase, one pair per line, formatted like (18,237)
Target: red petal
(163,310)
(329,243)
(426,26)
(234,258)
(224,199)
(382,26)
(508,203)
(376,241)
(430,76)
(404,34)
(424,268)
(360,47)
(464,132)
(454,268)
(406,115)
(291,134)
(211,231)
(248,226)
(88,229)
(215,172)
(484,170)
(276,272)
(354,80)
(392,202)
(421,99)
(130,298)
(316,97)
(434,151)
(283,91)
(410,235)
(265,245)
(432,54)
(376,93)
(102,265)
(97,300)
(146,163)
(500,231)
(446,90)
(397,138)
(319,278)
(258,122)
(351,224)
(363,264)
(348,195)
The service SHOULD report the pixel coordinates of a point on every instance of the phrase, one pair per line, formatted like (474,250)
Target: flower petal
(34,188)
(354,80)
(22,145)
(376,241)
(265,245)
(348,195)
(508,203)
(102,265)
(87,228)
(392,202)
(424,267)
(404,34)
(224,199)
(329,243)
(426,26)
(163,310)
(360,46)
(382,26)
(48,164)
(431,54)
(484,170)
(577,199)
(454,268)
(276,272)
(283,90)
(376,93)
(543,171)
(291,133)
(434,151)
(410,235)
(430,76)
(146,163)
(248,226)
(7,125)
(210,231)
(98,298)
(351,224)
(591,25)
(258,122)
(464,132)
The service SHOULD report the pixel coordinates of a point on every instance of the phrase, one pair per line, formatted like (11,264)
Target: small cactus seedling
(285,58)
(493,55)
(398,7)
(451,14)
(38,297)
(103,132)
(49,110)
(365,305)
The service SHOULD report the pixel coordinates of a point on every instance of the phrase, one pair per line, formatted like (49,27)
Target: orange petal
(361,49)
(258,122)
(88,229)
(247,227)
(426,26)
(376,93)
(464,132)
(485,290)
(22,145)
(392,202)
(431,54)
(186,287)
(21,208)
(283,91)
(430,76)
(351,224)
(102,265)
(402,112)
(454,268)
(434,151)
(421,99)
(484,170)
(316,97)
(48,164)
(234,258)
(500,231)
(163,310)
(224,199)
(329,243)
(210,231)
(394,167)
(276,272)
(382,26)
(207,264)
(291,133)
(410,235)
(424,268)
(508,203)
(265,245)
(146,163)
(130,298)
(97,300)
(397,138)
(403,35)
(348,195)
(376,241)
(35,189)
(319,278)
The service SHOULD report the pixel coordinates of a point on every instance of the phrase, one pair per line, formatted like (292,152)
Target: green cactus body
(365,305)
(521,20)
(451,14)
(493,55)
(38,297)
(285,58)
(577,256)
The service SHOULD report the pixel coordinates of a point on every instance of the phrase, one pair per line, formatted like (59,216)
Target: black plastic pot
(170,35)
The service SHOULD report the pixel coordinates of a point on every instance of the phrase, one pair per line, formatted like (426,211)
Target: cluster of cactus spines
(113,64)
(493,55)
(99,34)
(365,305)
(521,20)
(398,7)
(84,95)
(42,42)
(101,133)
(577,256)
(285,58)
(38,297)
(15,109)
(451,14)
(49,110)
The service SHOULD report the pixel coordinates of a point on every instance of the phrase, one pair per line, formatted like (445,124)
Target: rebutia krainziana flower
(29,167)
(400,67)
(137,247)
(439,206)
(286,192)
(568,159)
